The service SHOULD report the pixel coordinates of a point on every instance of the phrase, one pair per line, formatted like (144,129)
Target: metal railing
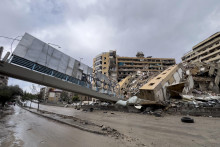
(48,71)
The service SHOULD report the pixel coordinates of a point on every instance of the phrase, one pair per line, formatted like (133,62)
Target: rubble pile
(206,76)
(135,82)
(203,98)
(189,88)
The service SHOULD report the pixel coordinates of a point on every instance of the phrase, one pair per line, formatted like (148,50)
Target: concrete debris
(132,100)
(181,87)
(131,85)
(156,88)
(175,89)
(121,102)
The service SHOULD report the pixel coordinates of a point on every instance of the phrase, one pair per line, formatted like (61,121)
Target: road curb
(63,122)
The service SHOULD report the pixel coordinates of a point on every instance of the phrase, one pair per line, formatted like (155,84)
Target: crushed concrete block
(211,70)
(155,89)
(175,90)
(217,79)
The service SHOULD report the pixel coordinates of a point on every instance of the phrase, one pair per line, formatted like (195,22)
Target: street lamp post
(54,45)
(13,39)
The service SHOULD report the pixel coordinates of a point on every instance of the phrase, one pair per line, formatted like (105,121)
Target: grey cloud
(86,28)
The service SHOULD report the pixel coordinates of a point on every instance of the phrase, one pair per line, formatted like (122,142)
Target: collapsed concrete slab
(130,85)
(176,89)
(155,89)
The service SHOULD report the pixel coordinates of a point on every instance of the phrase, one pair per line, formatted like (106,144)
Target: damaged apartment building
(196,78)
(118,68)
(105,63)
(206,51)
(130,65)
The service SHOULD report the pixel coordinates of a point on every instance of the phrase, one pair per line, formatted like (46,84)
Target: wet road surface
(153,131)
(30,130)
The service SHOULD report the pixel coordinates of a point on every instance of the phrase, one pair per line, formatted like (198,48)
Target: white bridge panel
(39,52)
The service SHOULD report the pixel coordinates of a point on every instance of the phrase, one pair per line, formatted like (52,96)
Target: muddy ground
(23,128)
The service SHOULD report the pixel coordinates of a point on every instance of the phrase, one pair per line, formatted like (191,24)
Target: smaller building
(45,91)
(3,79)
(54,95)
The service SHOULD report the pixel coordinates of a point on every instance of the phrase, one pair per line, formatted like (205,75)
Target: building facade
(45,93)
(129,65)
(3,79)
(106,64)
(206,51)
(54,96)
(124,66)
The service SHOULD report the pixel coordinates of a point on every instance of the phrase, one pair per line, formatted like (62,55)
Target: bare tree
(36,90)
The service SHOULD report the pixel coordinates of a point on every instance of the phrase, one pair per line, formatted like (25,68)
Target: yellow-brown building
(106,64)
(120,67)
(129,65)
(206,51)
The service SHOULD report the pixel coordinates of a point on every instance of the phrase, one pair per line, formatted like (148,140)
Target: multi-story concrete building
(106,64)
(3,79)
(45,93)
(129,65)
(206,51)
(123,66)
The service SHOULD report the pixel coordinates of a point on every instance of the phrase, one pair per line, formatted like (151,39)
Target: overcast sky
(85,28)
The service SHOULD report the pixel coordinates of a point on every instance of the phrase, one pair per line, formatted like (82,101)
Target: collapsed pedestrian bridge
(38,62)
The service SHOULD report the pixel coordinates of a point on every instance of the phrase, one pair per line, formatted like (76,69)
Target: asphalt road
(29,130)
(152,131)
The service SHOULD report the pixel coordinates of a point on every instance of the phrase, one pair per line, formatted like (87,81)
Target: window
(158,78)
(104,62)
(104,58)
(151,84)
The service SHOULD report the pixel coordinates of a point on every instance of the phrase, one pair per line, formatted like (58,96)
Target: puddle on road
(9,130)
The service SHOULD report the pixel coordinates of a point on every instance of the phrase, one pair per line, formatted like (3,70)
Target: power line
(10,38)
(13,42)
(13,39)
